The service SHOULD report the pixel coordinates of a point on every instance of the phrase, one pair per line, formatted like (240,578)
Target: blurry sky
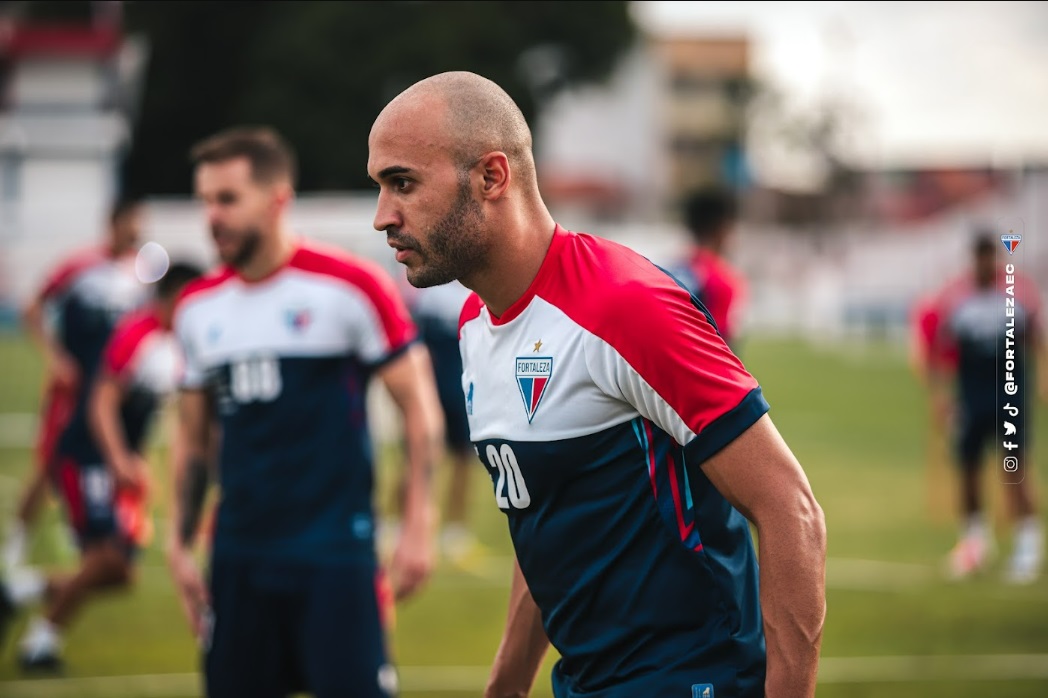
(958,82)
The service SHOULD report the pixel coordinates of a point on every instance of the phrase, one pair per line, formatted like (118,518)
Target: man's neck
(164,311)
(514,265)
(273,253)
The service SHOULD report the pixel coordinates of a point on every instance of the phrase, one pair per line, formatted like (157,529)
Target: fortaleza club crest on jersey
(298,319)
(533,374)
(1011,241)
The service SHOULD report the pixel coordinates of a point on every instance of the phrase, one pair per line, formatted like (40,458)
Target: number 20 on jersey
(510,490)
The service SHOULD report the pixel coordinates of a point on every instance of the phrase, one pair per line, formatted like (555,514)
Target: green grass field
(855,419)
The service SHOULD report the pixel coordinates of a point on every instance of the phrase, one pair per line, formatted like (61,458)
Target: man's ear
(496,175)
(283,193)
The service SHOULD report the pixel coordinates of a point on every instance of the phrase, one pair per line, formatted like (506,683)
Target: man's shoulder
(138,323)
(600,281)
(330,262)
(203,287)
(130,335)
(65,270)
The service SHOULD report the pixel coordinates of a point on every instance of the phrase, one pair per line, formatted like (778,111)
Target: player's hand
(413,559)
(130,471)
(192,593)
(63,370)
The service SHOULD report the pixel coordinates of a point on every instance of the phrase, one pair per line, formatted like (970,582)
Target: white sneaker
(40,649)
(1028,556)
(1023,569)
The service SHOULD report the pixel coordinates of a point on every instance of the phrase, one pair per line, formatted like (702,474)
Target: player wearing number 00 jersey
(645,574)
(287,361)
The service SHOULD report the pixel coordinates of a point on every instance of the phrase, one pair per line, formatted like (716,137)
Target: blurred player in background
(971,322)
(710,215)
(280,344)
(623,438)
(101,472)
(70,318)
(436,311)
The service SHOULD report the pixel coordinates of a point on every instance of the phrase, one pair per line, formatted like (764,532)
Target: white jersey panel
(617,377)
(110,286)
(295,314)
(156,364)
(540,358)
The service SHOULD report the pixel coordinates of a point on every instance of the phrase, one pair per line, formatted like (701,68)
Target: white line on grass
(977,667)
(445,679)
(854,575)
(875,575)
(841,573)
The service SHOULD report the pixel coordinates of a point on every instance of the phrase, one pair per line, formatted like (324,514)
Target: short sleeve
(381,327)
(661,354)
(192,375)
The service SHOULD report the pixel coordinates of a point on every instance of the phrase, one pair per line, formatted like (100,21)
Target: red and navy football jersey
(979,325)
(142,356)
(719,287)
(89,293)
(593,401)
(287,362)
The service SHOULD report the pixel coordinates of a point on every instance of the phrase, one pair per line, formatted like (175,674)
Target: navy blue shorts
(284,628)
(98,509)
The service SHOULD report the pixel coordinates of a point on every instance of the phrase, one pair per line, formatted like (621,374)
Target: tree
(320,72)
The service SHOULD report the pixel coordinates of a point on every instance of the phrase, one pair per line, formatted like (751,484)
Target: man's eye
(401,183)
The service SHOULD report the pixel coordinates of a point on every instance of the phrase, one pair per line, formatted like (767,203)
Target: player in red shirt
(974,318)
(710,216)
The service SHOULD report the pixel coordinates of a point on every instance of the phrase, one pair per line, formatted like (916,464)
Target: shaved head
(456,177)
(479,117)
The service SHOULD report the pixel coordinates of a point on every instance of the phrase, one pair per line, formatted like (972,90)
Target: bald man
(626,444)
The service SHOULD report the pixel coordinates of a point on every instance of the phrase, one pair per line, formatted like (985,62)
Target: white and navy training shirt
(593,401)
(287,361)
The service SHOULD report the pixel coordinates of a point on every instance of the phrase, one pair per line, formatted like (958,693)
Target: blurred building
(670,118)
(704,112)
(65,101)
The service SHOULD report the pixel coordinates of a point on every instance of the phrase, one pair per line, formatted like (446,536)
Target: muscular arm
(190,451)
(759,475)
(524,644)
(409,379)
